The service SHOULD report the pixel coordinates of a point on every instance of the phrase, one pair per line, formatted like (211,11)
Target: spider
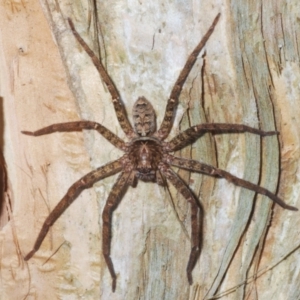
(147,156)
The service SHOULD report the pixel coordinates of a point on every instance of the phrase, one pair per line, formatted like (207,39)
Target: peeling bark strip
(3,190)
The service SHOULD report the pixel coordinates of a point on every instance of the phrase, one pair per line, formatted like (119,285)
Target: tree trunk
(248,74)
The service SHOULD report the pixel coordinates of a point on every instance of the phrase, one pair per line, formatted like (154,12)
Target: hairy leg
(196,166)
(116,99)
(195,217)
(78,126)
(193,133)
(83,183)
(172,104)
(112,202)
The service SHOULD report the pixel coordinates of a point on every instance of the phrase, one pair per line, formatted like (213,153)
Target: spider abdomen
(143,117)
(145,155)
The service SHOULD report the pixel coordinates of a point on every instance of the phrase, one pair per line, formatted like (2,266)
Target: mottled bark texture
(248,74)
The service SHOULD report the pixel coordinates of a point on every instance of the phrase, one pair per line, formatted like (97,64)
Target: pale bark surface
(249,74)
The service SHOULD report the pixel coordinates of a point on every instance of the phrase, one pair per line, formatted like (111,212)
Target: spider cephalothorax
(147,157)
(145,154)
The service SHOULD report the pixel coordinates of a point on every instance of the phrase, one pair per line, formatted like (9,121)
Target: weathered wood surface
(249,74)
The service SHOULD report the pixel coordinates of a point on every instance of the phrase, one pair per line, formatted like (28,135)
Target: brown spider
(147,157)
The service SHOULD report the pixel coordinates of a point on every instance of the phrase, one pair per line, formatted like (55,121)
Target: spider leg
(196,166)
(167,122)
(83,183)
(78,126)
(112,202)
(195,217)
(132,180)
(160,180)
(116,99)
(193,133)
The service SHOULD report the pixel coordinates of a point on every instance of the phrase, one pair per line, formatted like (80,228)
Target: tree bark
(248,74)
